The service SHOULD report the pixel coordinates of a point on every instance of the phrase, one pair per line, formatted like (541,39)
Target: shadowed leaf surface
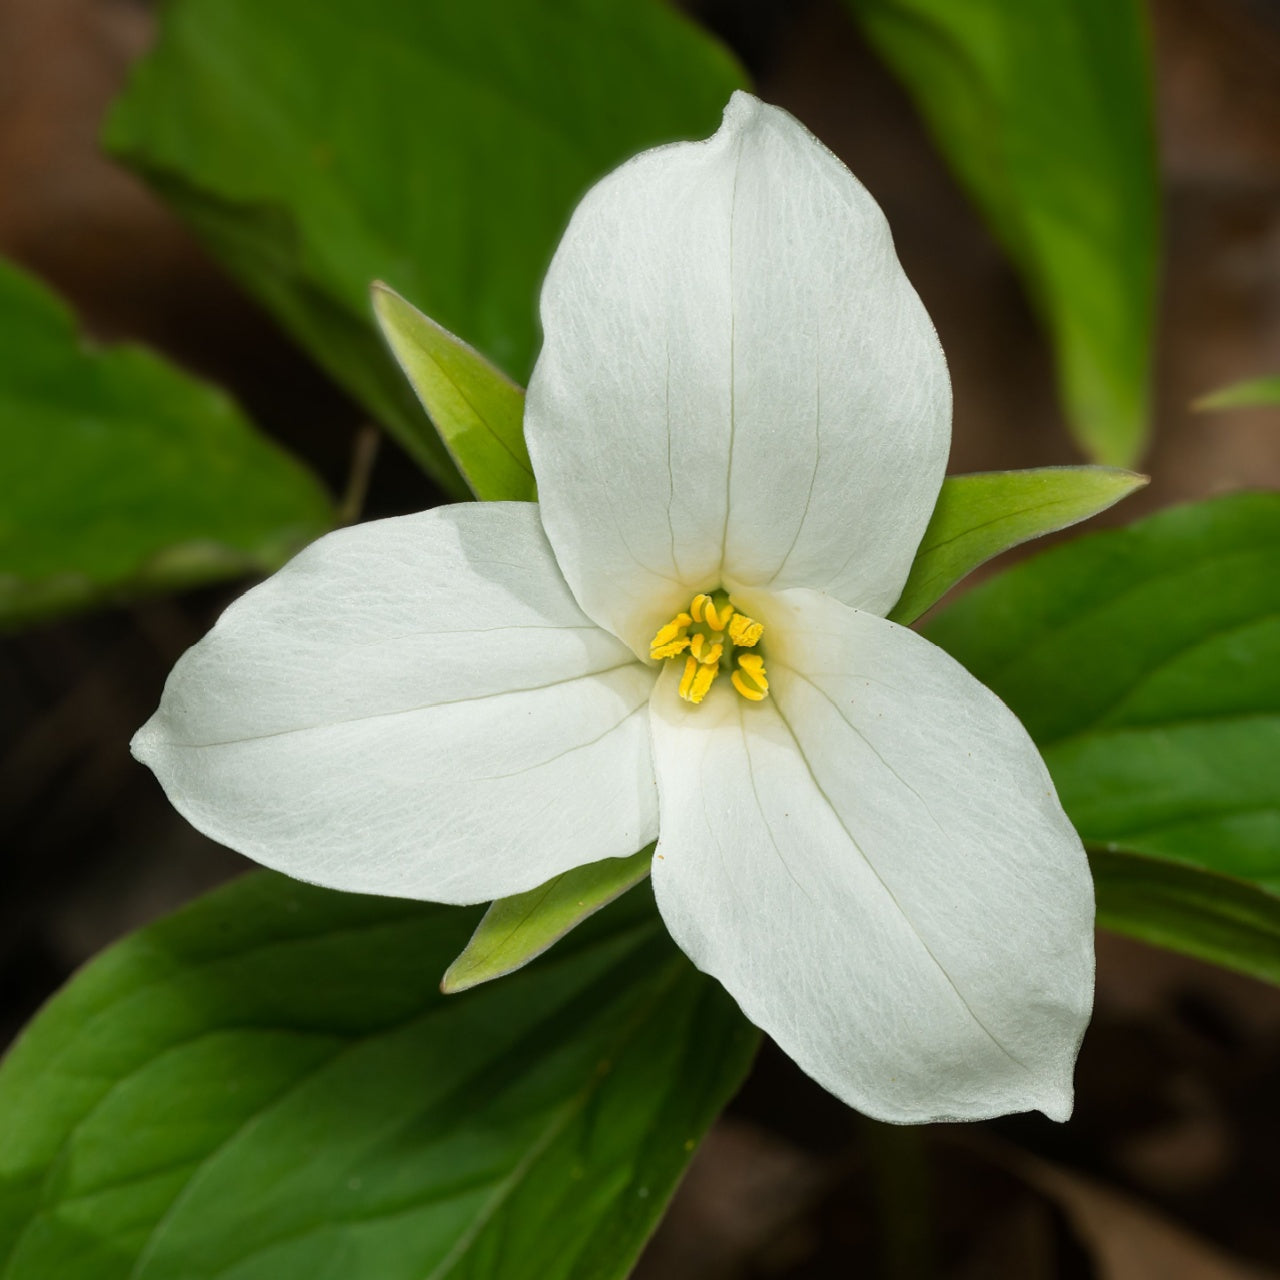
(438,147)
(124,476)
(270,1084)
(1043,110)
(1146,664)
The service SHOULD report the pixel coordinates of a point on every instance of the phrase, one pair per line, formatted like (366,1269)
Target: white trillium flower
(739,423)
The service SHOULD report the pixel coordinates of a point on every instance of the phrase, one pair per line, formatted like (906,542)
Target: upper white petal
(414,707)
(874,863)
(738,385)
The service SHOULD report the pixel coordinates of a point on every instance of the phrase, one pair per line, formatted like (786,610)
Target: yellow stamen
(716,620)
(744,631)
(750,679)
(704,649)
(702,682)
(707,636)
(671,639)
(659,651)
(691,666)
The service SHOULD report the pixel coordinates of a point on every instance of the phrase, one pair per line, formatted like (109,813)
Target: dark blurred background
(1169,1169)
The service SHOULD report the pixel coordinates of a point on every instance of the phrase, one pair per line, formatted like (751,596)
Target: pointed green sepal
(1255,393)
(516,930)
(476,408)
(978,516)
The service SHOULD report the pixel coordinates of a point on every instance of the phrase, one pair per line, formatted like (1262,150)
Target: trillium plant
(738,424)
(672,728)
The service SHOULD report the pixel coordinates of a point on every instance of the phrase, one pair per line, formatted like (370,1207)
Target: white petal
(874,863)
(413,707)
(738,385)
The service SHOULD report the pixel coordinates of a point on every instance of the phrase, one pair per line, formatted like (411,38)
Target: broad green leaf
(1146,664)
(1256,393)
(978,516)
(516,930)
(1043,109)
(438,147)
(477,409)
(1215,917)
(124,476)
(269,1085)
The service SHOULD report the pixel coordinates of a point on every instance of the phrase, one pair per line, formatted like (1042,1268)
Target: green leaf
(1145,662)
(1043,109)
(1215,917)
(439,147)
(978,516)
(124,476)
(477,409)
(269,1085)
(515,930)
(1255,393)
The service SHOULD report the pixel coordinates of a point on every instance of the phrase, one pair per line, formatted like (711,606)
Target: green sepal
(515,930)
(1255,393)
(980,515)
(476,408)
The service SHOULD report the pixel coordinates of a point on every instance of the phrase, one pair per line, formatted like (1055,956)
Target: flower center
(709,635)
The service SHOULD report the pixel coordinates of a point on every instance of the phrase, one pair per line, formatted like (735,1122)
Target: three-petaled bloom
(739,423)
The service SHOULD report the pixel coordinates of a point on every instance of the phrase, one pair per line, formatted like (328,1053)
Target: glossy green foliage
(1043,110)
(1215,917)
(517,929)
(124,476)
(269,1084)
(438,147)
(1254,394)
(476,408)
(1146,664)
(978,516)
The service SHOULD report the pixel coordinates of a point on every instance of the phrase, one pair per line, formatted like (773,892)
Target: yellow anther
(702,682)
(671,650)
(746,689)
(717,619)
(691,666)
(670,639)
(673,628)
(707,635)
(697,679)
(744,631)
(750,679)
(704,649)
